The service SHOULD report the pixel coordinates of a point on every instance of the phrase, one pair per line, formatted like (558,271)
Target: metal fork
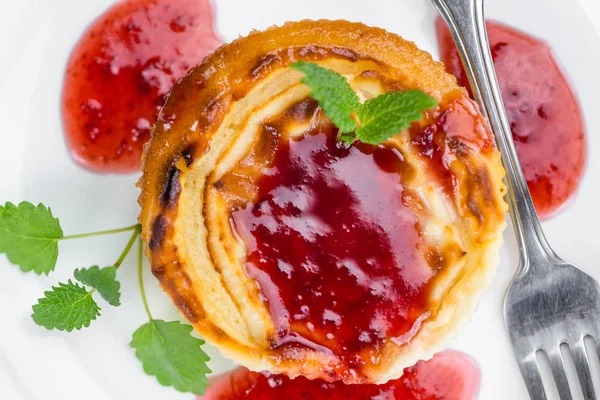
(550,302)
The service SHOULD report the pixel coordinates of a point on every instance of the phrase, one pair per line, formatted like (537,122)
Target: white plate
(35,39)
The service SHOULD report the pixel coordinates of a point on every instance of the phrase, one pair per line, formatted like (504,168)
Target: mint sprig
(29,237)
(374,121)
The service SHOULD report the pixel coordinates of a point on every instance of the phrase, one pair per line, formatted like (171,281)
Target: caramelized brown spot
(187,303)
(302,111)
(480,193)
(389,84)
(188,155)
(345,53)
(159,271)
(213,109)
(435,259)
(312,52)
(159,229)
(475,210)
(265,64)
(218,332)
(171,189)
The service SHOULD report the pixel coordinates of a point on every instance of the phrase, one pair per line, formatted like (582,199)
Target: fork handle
(465,19)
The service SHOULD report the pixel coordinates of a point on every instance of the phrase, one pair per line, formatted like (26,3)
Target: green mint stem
(136,231)
(141,279)
(109,232)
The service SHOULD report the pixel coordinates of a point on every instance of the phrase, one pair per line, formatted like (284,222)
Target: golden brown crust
(197,131)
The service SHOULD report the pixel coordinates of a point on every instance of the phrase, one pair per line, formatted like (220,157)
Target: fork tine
(533,378)
(582,365)
(560,375)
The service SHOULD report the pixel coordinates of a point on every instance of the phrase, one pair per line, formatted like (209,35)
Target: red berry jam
(543,111)
(120,71)
(335,248)
(448,376)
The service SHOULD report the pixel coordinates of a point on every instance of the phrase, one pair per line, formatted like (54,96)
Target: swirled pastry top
(296,254)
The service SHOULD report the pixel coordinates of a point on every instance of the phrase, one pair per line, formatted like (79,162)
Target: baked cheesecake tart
(296,253)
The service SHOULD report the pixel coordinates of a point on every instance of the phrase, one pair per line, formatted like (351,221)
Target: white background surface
(36,37)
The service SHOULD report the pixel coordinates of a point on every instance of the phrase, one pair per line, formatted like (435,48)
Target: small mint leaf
(169,352)
(103,280)
(333,92)
(390,113)
(29,236)
(66,307)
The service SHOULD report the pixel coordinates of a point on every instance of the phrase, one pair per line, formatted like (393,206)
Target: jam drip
(334,247)
(544,115)
(120,72)
(448,376)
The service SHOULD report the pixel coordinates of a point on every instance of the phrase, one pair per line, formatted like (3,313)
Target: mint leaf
(333,92)
(390,113)
(29,236)
(66,307)
(168,351)
(103,280)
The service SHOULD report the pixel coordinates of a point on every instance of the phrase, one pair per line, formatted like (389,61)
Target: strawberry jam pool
(334,247)
(544,115)
(448,376)
(120,72)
